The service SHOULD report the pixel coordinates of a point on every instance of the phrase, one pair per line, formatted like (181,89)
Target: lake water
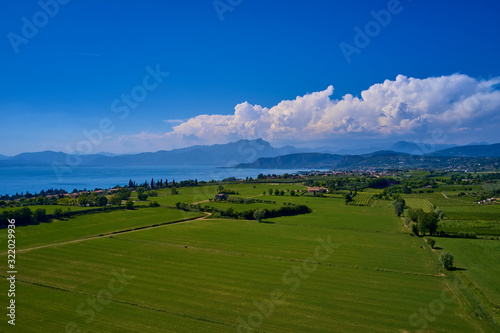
(34,179)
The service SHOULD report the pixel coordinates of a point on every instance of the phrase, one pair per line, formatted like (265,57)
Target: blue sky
(63,79)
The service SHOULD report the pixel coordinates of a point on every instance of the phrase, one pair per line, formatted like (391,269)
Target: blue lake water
(34,179)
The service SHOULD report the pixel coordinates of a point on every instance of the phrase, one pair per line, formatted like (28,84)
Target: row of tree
(285,210)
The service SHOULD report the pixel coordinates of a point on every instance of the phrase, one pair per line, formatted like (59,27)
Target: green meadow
(341,268)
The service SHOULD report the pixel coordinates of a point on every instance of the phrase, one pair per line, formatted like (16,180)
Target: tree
(282,192)
(101,201)
(129,204)
(427,222)
(259,214)
(174,191)
(82,200)
(414,228)
(270,191)
(431,242)
(292,193)
(276,192)
(40,215)
(58,213)
(142,196)
(447,259)
(116,200)
(414,214)
(348,198)
(399,208)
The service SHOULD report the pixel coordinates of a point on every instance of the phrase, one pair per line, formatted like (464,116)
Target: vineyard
(361,199)
(416,203)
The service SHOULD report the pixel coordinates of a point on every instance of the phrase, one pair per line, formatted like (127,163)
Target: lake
(34,179)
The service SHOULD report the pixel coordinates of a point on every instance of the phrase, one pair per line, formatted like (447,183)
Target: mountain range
(260,154)
(243,151)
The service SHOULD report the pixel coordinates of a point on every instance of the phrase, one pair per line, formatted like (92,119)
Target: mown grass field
(85,226)
(211,275)
(49,209)
(479,258)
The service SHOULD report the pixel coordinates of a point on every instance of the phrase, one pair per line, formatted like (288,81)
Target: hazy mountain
(378,160)
(258,154)
(295,161)
(471,151)
(400,146)
(216,155)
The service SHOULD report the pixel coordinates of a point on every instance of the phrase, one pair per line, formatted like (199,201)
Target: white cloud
(174,121)
(403,107)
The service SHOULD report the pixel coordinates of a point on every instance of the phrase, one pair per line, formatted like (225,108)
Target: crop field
(417,203)
(461,214)
(361,199)
(341,268)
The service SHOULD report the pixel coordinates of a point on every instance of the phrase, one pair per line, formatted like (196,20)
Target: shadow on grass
(267,222)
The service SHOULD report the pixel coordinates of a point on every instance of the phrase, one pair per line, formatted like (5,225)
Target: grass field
(340,268)
(93,225)
(49,209)
(479,258)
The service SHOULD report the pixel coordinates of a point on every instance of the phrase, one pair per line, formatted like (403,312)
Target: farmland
(417,203)
(345,268)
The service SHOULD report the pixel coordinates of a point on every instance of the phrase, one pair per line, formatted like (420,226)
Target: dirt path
(114,233)
(444,194)
(200,202)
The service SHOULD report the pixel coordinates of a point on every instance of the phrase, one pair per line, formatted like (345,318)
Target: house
(221,196)
(317,190)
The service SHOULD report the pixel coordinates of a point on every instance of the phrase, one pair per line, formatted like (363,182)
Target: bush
(174,191)
(446,259)
(129,204)
(40,215)
(259,214)
(58,213)
(142,196)
(431,242)
(463,234)
(154,204)
(414,228)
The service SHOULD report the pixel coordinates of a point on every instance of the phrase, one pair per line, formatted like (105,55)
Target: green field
(479,258)
(361,199)
(93,225)
(213,275)
(49,209)
(417,203)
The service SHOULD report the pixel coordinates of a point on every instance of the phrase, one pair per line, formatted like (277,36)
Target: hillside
(470,151)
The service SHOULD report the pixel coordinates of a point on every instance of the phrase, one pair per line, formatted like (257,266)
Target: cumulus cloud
(404,106)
